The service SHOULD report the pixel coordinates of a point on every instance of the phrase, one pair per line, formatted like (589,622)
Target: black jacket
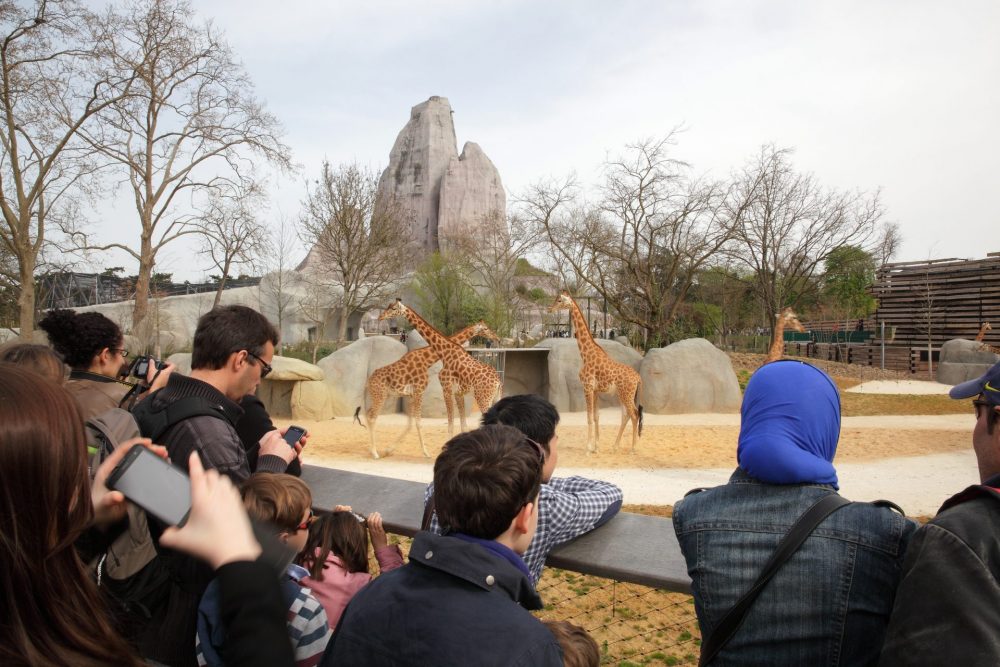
(947,608)
(454,603)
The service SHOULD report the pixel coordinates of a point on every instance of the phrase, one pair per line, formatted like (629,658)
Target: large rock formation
(428,176)
(565,389)
(346,372)
(689,376)
(962,360)
(471,196)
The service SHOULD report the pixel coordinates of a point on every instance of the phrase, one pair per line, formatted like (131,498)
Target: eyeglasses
(265,368)
(538,448)
(122,350)
(308,522)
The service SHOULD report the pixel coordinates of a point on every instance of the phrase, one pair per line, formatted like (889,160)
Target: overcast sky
(902,96)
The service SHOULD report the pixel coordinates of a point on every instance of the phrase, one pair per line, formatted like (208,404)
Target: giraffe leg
(621,427)
(374,409)
(460,404)
(448,405)
(591,398)
(415,404)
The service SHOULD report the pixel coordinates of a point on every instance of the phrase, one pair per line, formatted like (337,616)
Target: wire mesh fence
(632,624)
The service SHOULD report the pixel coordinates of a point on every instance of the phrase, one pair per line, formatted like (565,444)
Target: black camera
(140,366)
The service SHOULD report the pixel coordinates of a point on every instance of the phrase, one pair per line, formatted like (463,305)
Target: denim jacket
(829,603)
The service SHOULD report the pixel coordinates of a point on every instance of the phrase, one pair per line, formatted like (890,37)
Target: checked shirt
(567,508)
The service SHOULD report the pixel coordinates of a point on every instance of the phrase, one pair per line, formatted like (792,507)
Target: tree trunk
(141,309)
(27,298)
(342,325)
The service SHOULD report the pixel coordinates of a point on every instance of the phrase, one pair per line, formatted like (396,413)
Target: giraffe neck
(583,338)
(434,338)
(464,335)
(982,334)
(777,347)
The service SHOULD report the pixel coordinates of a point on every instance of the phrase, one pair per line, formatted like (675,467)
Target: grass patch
(864,405)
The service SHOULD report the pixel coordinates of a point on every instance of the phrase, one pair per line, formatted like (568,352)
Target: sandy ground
(900,387)
(917,461)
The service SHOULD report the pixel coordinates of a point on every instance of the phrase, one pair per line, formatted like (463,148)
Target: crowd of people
(784,570)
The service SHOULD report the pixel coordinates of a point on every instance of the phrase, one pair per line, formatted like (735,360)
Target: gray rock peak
(444,192)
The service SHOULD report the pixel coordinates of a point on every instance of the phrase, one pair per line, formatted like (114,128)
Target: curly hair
(79,337)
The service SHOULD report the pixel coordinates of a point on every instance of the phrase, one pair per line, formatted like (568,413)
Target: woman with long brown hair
(51,612)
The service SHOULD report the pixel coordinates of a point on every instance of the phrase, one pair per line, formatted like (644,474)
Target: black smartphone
(154,485)
(294,434)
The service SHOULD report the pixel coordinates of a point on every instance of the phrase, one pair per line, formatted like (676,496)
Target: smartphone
(293,435)
(154,485)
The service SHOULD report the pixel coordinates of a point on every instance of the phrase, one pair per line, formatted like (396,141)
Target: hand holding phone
(153,484)
(293,435)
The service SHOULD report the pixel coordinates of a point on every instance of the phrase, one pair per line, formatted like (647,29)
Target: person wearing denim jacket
(829,603)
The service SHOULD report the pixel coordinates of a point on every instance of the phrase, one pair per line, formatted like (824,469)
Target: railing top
(631,547)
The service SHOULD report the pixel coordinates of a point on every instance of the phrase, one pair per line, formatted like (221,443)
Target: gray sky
(902,96)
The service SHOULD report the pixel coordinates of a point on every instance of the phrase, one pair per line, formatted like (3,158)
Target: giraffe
(981,336)
(408,376)
(601,374)
(460,369)
(786,318)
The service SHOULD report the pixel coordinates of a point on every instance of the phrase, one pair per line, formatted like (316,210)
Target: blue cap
(988,386)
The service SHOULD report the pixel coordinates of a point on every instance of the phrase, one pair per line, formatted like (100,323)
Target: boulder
(414,340)
(565,389)
(689,376)
(183,362)
(290,369)
(310,399)
(346,372)
(962,360)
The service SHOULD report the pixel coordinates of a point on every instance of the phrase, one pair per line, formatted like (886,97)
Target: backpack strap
(425,522)
(155,423)
(789,544)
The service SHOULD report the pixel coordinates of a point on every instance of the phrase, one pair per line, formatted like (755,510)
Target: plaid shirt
(567,508)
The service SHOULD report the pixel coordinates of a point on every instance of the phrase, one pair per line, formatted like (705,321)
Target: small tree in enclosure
(189,123)
(442,290)
(848,272)
(360,240)
(793,225)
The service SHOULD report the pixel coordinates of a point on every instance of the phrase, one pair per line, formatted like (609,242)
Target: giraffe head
(790,319)
(986,327)
(480,328)
(397,309)
(563,302)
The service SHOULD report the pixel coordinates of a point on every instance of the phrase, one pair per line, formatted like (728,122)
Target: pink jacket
(339,585)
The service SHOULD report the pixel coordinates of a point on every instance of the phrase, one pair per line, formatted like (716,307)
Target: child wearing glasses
(336,556)
(283,502)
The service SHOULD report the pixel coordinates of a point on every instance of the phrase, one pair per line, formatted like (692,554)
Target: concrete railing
(631,547)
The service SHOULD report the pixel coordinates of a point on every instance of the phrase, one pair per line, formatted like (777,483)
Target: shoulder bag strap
(425,522)
(789,544)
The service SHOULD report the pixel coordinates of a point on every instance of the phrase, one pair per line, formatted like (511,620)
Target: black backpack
(155,422)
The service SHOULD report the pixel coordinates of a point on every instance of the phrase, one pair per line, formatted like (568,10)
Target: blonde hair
(40,359)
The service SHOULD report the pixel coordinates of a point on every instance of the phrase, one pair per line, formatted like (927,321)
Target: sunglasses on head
(538,448)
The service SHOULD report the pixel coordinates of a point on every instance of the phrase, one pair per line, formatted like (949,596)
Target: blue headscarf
(790,425)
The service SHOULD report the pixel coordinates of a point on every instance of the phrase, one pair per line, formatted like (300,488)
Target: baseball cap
(988,385)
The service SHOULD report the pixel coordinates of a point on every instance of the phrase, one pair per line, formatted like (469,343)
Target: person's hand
(273,444)
(109,506)
(301,443)
(376,531)
(218,529)
(159,381)
(342,508)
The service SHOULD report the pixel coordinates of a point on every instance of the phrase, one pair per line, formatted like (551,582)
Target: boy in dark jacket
(463,597)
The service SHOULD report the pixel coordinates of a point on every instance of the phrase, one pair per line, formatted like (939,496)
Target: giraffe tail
(357,415)
(638,402)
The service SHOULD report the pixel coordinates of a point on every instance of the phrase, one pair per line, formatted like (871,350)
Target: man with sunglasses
(231,353)
(947,607)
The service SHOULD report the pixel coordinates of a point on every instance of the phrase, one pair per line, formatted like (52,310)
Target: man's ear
(522,522)
(237,360)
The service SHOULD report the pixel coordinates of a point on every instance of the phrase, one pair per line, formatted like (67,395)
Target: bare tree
(232,235)
(55,79)
(318,297)
(641,246)
(276,286)
(359,240)
(191,122)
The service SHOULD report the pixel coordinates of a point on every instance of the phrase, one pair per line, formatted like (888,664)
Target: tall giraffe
(408,376)
(601,374)
(981,336)
(786,318)
(460,369)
